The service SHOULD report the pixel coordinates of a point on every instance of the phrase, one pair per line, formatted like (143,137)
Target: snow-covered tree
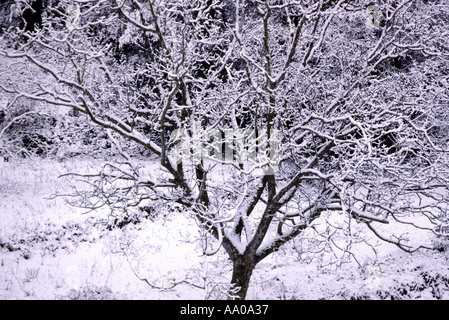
(263,114)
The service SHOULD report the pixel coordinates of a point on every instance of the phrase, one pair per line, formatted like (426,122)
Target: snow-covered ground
(51,250)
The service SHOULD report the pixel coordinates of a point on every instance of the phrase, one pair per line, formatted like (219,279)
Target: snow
(51,250)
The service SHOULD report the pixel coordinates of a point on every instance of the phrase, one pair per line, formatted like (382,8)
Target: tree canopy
(263,115)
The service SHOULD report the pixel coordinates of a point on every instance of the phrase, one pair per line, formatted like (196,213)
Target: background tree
(319,110)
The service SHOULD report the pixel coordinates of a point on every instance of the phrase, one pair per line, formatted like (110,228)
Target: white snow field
(52,250)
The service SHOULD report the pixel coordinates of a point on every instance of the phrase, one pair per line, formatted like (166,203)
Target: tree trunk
(241,275)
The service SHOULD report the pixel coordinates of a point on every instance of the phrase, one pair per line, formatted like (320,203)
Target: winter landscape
(224,149)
